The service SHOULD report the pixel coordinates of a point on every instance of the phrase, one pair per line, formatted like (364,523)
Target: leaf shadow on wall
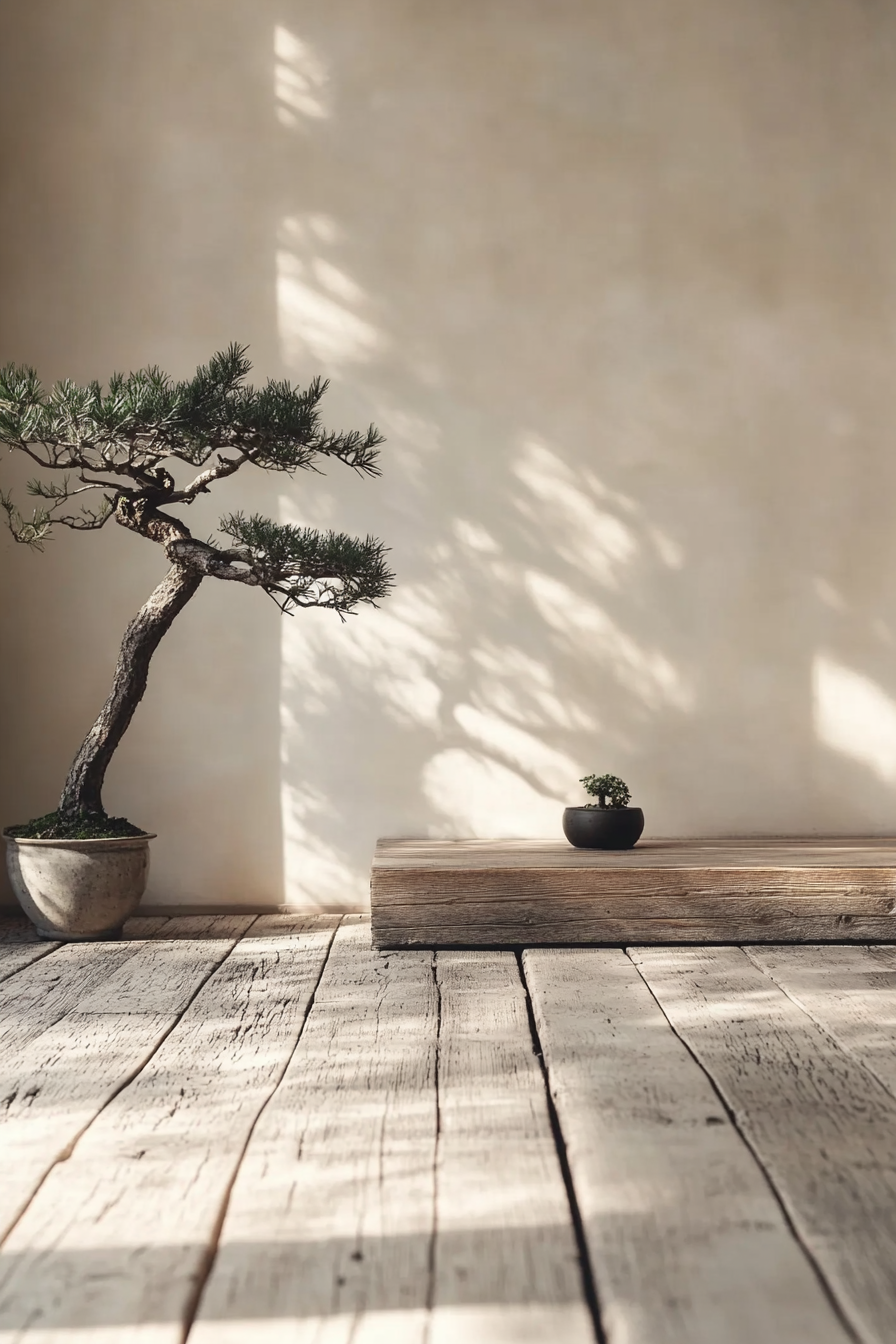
(610,322)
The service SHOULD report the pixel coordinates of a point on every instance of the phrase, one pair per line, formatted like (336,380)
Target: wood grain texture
(687,1243)
(329,1227)
(878,852)
(747,894)
(42,993)
(820,1123)
(849,991)
(506,1263)
(509,893)
(53,1086)
(119,1237)
(19,945)
(482,926)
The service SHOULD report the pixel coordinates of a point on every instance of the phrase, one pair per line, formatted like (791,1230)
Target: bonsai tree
(147,445)
(609,790)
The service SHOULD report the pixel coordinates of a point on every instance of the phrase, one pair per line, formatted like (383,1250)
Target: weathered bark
(84,786)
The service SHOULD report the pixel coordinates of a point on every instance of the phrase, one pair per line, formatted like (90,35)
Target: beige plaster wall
(618,282)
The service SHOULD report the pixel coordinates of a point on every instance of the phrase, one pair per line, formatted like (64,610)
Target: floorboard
(20,945)
(688,1245)
(849,991)
(329,1227)
(42,993)
(506,1263)
(819,1122)
(120,1236)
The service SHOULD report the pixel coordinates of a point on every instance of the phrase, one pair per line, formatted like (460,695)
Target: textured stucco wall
(618,282)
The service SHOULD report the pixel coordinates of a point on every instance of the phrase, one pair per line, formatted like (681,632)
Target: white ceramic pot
(78,890)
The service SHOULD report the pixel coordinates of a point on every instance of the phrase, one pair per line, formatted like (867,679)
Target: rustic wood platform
(227,1129)
(524,893)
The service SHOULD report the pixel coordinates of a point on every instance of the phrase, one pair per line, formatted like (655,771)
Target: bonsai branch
(225,466)
(208,560)
(88,520)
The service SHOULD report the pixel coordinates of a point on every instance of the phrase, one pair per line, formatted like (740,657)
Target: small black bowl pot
(603,828)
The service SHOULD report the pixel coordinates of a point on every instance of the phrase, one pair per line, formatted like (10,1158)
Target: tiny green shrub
(604,787)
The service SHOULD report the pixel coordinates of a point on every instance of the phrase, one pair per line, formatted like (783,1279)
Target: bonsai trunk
(84,786)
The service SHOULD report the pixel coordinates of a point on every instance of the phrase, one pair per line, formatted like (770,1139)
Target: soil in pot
(603,827)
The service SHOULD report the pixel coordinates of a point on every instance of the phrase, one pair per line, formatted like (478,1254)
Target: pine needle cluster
(116,452)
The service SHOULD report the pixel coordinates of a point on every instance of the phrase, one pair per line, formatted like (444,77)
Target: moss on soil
(55,827)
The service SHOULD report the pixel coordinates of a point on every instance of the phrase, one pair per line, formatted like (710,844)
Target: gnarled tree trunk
(84,786)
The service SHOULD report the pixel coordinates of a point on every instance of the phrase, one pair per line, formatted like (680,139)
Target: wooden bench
(525,893)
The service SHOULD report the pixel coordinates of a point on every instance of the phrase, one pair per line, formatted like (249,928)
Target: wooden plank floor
(229,1129)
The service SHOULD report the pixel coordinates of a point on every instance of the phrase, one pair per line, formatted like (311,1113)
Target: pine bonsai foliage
(111,456)
(609,790)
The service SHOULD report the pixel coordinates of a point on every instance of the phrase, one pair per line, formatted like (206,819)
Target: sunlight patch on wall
(593,528)
(669,552)
(883,632)
(300,80)
(596,636)
(554,770)
(317,302)
(397,652)
(829,596)
(523,689)
(314,873)
(854,717)
(584,534)
(474,537)
(482,799)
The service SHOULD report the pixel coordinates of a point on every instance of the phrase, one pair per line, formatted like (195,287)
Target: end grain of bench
(528,893)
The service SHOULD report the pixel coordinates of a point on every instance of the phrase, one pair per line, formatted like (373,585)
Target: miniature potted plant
(607,824)
(77,872)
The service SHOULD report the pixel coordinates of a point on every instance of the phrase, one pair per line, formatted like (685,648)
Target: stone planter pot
(78,890)
(603,828)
